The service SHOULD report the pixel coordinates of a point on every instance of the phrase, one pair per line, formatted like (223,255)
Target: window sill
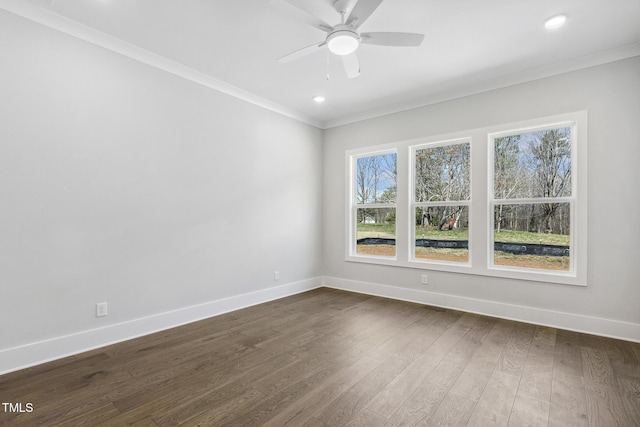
(529,275)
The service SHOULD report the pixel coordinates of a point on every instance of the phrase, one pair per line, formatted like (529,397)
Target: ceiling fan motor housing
(343,6)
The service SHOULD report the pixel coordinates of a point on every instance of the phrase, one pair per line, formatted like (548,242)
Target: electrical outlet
(276,275)
(101,309)
(424,279)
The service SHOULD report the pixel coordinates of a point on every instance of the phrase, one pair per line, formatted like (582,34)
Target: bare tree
(550,166)
(376,182)
(508,177)
(442,174)
(533,165)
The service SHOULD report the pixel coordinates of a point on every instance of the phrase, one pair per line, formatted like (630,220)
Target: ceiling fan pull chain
(328,66)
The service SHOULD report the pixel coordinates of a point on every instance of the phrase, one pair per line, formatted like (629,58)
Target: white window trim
(480,216)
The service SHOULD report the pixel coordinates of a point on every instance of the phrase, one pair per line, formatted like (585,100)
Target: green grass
(435,234)
(377,228)
(507,236)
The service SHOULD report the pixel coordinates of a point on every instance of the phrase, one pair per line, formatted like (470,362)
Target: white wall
(122,183)
(610,304)
(126,184)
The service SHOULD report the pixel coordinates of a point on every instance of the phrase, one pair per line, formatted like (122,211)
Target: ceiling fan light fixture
(343,42)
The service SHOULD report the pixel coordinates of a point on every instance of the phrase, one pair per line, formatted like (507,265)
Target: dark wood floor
(328,358)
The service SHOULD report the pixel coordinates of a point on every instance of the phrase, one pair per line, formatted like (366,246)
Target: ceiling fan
(343,39)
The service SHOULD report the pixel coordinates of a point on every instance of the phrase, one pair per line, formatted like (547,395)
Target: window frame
(480,204)
(576,275)
(351,226)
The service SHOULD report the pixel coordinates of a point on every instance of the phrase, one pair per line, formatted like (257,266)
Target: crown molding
(83,32)
(48,18)
(600,58)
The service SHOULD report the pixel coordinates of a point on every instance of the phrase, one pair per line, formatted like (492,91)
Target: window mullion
(375,205)
(533,200)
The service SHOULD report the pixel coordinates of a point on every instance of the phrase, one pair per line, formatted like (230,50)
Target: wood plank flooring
(333,358)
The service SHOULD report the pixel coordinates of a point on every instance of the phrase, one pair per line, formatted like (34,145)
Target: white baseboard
(31,354)
(573,322)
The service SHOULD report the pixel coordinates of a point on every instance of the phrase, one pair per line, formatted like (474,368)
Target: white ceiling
(470,46)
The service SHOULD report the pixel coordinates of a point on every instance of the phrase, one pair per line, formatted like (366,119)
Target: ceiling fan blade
(301,52)
(361,12)
(351,65)
(392,39)
(301,15)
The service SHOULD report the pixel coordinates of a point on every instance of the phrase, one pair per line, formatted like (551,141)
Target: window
(502,201)
(374,205)
(533,201)
(441,199)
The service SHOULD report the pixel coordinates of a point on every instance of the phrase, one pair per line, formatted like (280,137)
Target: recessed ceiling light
(318,99)
(555,22)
